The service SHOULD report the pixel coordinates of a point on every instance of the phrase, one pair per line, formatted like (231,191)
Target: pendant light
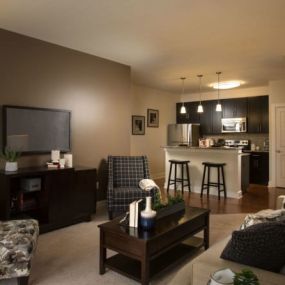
(219,105)
(183,108)
(200,106)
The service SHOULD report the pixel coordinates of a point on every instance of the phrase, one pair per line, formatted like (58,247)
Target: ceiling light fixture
(200,106)
(226,84)
(219,105)
(183,108)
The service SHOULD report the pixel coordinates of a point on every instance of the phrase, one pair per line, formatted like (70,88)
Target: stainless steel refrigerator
(183,135)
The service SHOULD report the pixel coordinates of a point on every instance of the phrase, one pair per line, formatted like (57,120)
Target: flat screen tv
(36,130)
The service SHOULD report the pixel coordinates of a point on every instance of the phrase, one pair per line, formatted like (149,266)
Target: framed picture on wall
(152,118)
(138,125)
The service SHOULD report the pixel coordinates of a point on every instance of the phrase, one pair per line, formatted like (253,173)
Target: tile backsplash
(257,139)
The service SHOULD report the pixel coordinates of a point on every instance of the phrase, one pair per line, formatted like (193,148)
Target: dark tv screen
(36,130)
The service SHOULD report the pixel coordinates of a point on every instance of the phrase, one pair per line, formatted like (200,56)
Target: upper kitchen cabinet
(191,116)
(258,115)
(216,119)
(206,122)
(234,108)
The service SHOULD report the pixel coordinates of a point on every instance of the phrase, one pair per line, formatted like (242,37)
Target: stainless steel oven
(234,125)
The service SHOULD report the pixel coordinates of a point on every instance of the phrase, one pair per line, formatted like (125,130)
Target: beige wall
(150,144)
(97,91)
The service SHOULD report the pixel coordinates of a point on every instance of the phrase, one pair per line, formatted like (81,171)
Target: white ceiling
(163,40)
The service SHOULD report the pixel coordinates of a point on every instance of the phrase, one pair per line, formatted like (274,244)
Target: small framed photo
(152,118)
(138,125)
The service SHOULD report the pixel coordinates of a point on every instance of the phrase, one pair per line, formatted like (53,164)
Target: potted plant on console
(11,157)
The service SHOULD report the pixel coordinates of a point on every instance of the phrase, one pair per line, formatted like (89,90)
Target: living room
(106,62)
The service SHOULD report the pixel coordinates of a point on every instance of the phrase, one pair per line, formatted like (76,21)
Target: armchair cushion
(17,244)
(128,171)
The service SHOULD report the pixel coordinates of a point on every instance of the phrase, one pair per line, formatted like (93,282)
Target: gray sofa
(197,272)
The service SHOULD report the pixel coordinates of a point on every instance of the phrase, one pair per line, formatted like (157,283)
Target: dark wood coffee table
(142,255)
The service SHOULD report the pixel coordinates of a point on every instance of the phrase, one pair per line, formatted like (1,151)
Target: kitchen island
(236,169)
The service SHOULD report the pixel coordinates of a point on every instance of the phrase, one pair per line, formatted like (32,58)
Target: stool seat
(182,163)
(221,185)
(213,164)
(179,161)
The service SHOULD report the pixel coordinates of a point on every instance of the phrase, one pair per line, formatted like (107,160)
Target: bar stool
(219,183)
(179,179)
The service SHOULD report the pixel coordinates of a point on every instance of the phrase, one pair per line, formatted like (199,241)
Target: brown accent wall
(97,91)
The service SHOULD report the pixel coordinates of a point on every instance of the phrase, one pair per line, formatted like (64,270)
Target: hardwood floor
(257,198)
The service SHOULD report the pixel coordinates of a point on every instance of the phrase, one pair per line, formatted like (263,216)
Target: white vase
(148,215)
(148,212)
(11,166)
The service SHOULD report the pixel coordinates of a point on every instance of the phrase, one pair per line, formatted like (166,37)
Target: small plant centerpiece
(11,157)
(245,277)
(172,205)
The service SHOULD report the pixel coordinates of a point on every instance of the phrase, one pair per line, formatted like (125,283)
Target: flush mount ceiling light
(200,106)
(219,105)
(226,84)
(183,108)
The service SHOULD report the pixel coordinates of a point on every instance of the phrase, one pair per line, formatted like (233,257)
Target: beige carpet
(69,256)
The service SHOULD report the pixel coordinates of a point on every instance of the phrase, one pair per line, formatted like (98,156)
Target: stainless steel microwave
(234,125)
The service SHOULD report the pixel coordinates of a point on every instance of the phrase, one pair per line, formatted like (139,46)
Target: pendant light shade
(183,108)
(219,105)
(200,106)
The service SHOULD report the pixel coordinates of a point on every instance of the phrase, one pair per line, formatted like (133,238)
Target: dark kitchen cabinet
(216,120)
(234,108)
(191,117)
(259,168)
(258,114)
(206,122)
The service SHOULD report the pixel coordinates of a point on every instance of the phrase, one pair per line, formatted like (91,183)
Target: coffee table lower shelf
(132,268)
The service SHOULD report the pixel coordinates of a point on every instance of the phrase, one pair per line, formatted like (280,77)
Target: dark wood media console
(66,196)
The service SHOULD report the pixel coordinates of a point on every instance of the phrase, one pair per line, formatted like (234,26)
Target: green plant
(172,200)
(245,277)
(10,155)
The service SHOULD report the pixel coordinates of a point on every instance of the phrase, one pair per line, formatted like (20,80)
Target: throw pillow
(263,216)
(261,245)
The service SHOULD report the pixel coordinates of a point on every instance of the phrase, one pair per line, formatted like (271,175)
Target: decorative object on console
(68,160)
(183,108)
(11,157)
(138,125)
(147,220)
(55,155)
(152,118)
(62,163)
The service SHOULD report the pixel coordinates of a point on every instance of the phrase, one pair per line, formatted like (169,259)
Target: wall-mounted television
(36,130)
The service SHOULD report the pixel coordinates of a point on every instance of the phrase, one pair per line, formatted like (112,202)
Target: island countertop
(196,148)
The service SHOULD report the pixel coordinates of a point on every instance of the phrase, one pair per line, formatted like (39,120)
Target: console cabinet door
(84,198)
(60,186)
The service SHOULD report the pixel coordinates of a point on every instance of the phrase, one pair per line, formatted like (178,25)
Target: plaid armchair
(125,173)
